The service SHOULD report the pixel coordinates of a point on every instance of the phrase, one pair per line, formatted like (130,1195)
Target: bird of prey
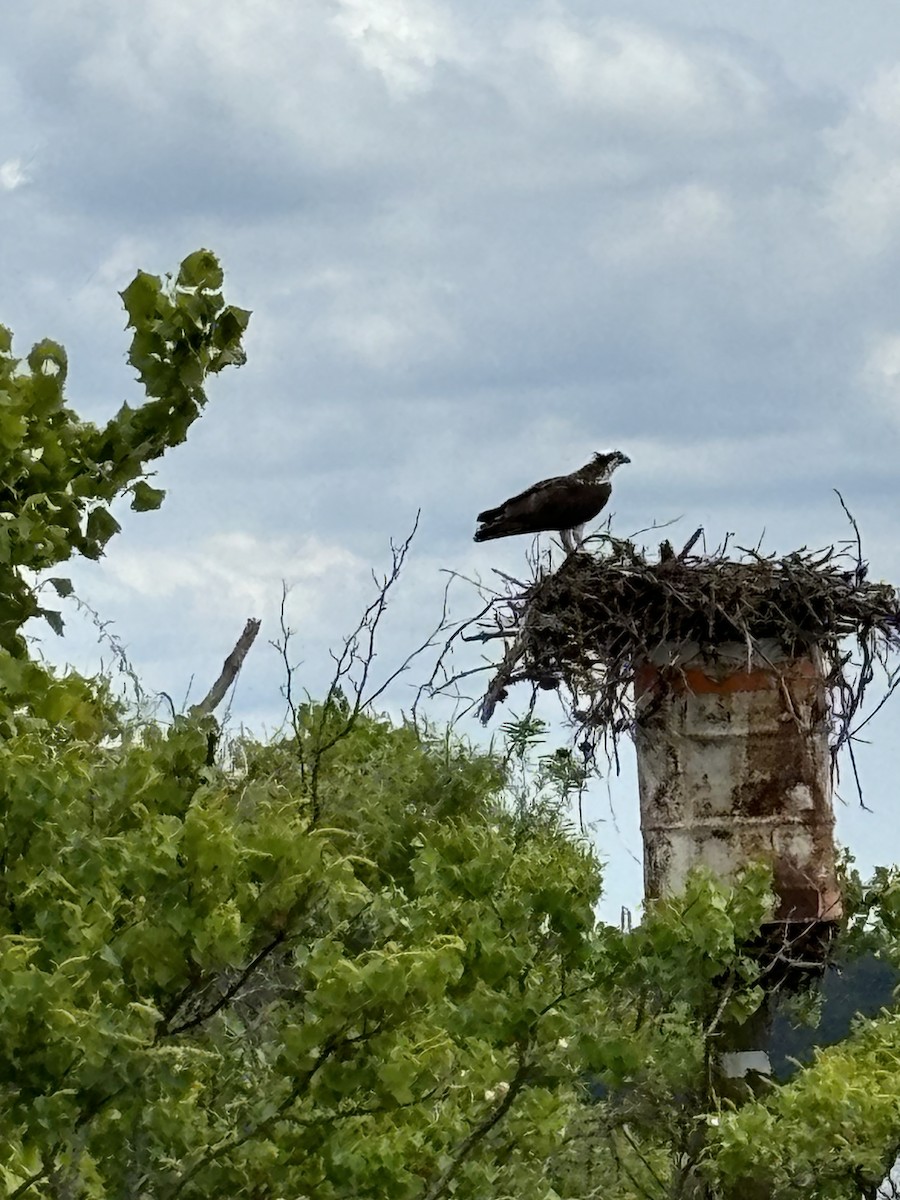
(560,505)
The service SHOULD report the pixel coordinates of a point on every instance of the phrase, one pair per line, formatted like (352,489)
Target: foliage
(540,780)
(204,991)
(60,474)
(201,993)
(681,983)
(835,1128)
(834,1131)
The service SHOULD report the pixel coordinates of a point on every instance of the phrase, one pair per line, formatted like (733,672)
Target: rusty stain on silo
(733,767)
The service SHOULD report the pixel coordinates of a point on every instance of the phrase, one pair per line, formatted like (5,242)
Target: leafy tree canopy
(59,475)
(205,995)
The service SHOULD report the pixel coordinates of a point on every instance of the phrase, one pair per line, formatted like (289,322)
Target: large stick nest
(586,625)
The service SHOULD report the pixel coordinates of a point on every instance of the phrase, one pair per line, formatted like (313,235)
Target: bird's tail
(499,528)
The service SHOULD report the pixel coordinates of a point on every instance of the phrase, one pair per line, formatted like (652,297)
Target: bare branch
(691,543)
(353,666)
(852,520)
(440,670)
(229,672)
(427,644)
(229,993)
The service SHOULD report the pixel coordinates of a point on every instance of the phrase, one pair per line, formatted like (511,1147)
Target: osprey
(560,505)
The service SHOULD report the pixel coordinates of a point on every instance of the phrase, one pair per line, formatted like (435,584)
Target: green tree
(202,995)
(59,475)
(673,1126)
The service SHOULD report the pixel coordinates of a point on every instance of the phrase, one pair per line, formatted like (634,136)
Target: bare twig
(426,644)
(339,713)
(626,1133)
(691,543)
(441,679)
(852,520)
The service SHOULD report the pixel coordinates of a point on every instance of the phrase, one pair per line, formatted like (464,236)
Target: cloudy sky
(479,242)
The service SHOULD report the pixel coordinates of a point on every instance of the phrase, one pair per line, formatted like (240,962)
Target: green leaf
(140,298)
(146,498)
(233,320)
(53,619)
(201,269)
(62,587)
(101,525)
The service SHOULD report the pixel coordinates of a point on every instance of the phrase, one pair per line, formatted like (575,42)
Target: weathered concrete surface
(734,767)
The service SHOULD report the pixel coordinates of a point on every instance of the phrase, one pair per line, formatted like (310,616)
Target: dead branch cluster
(586,625)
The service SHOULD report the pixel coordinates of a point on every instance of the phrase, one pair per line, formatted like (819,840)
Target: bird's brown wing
(529,495)
(551,505)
